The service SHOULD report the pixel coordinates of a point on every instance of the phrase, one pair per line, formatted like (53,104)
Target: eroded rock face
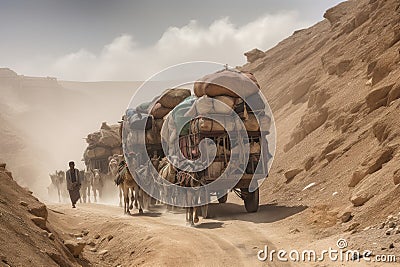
(356,178)
(39,222)
(360,198)
(396,177)
(378,97)
(289,175)
(371,165)
(74,247)
(309,123)
(39,210)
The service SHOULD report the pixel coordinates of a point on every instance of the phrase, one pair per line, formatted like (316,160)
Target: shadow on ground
(267,213)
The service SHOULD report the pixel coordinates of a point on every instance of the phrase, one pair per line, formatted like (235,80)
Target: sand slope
(334,89)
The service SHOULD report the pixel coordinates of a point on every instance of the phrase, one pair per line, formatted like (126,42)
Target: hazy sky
(130,40)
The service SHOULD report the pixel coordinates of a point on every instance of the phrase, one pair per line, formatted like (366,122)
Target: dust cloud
(44,123)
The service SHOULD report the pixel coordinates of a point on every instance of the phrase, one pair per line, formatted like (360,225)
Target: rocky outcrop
(254,54)
(74,247)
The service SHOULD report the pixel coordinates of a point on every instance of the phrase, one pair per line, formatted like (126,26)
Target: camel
(58,183)
(113,164)
(86,180)
(168,173)
(193,195)
(129,183)
(149,170)
(97,183)
(113,171)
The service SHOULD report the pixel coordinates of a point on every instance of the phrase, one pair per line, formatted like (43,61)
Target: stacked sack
(216,98)
(139,120)
(103,143)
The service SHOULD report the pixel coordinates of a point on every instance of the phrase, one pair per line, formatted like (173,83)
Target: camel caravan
(169,138)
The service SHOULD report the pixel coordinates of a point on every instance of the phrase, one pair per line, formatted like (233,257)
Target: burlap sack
(199,88)
(202,106)
(109,138)
(215,169)
(252,125)
(209,125)
(208,105)
(218,90)
(96,152)
(93,138)
(227,82)
(172,97)
(159,111)
(227,105)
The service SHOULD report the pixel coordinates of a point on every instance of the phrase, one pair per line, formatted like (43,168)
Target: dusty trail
(230,237)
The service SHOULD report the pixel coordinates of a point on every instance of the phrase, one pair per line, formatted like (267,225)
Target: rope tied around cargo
(186,179)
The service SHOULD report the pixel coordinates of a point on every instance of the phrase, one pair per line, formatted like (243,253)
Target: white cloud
(222,41)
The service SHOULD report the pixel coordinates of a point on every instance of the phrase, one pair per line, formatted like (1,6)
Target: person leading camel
(73,183)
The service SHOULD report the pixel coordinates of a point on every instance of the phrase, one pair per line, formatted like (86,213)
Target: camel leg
(126,201)
(136,199)
(84,194)
(196,215)
(95,195)
(81,193)
(120,195)
(204,198)
(59,194)
(88,193)
(146,200)
(132,199)
(191,216)
(139,195)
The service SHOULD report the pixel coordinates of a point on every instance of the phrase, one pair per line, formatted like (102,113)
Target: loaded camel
(168,172)
(193,195)
(58,183)
(127,180)
(97,183)
(113,171)
(86,181)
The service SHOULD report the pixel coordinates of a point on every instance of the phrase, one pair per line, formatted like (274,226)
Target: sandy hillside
(334,89)
(27,238)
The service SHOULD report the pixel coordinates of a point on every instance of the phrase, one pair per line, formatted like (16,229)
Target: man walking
(73,183)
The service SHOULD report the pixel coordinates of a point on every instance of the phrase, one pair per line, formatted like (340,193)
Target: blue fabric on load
(137,121)
(178,114)
(144,107)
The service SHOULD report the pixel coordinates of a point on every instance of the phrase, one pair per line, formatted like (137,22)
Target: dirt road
(231,237)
